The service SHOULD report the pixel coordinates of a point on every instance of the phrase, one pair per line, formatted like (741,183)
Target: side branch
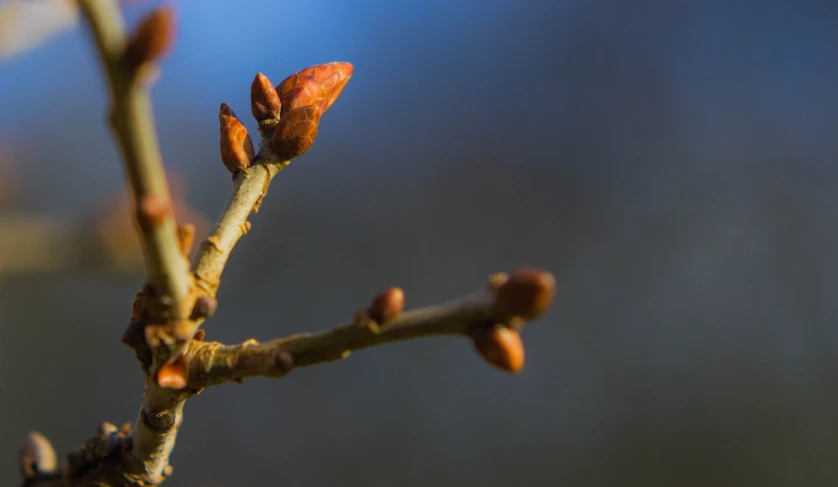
(491,318)
(133,124)
(249,187)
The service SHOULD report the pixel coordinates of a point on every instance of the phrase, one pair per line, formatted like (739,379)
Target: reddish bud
(296,132)
(236,147)
(316,85)
(37,456)
(527,293)
(264,100)
(500,346)
(151,211)
(153,38)
(387,305)
(172,375)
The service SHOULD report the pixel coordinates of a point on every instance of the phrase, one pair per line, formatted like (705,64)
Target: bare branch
(133,124)
(212,363)
(249,188)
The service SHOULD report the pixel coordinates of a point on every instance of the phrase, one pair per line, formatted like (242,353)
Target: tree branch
(168,312)
(249,187)
(213,363)
(507,304)
(133,123)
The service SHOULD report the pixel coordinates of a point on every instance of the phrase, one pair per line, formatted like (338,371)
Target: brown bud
(316,85)
(264,100)
(387,305)
(236,147)
(186,237)
(151,211)
(205,307)
(527,294)
(153,38)
(125,430)
(37,456)
(172,375)
(500,346)
(296,132)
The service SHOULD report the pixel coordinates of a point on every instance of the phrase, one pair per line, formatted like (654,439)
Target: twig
(248,190)
(131,117)
(133,124)
(212,363)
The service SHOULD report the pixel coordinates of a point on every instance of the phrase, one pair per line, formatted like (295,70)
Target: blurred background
(671,162)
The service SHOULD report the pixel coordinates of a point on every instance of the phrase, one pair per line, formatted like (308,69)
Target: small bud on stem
(527,294)
(236,147)
(153,38)
(500,346)
(387,305)
(172,375)
(264,100)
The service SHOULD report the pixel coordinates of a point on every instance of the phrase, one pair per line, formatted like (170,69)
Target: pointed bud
(500,346)
(316,85)
(527,294)
(172,375)
(153,38)
(37,456)
(296,132)
(236,147)
(264,101)
(387,305)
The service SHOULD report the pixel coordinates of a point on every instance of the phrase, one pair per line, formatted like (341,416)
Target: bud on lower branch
(527,294)
(499,345)
(387,305)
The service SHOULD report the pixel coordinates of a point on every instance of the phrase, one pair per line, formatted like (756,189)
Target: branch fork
(168,311)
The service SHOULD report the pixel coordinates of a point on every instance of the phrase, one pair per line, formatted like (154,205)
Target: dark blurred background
(671,162)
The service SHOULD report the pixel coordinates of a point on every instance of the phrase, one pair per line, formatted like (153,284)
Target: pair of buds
(521,297)
(289,113)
